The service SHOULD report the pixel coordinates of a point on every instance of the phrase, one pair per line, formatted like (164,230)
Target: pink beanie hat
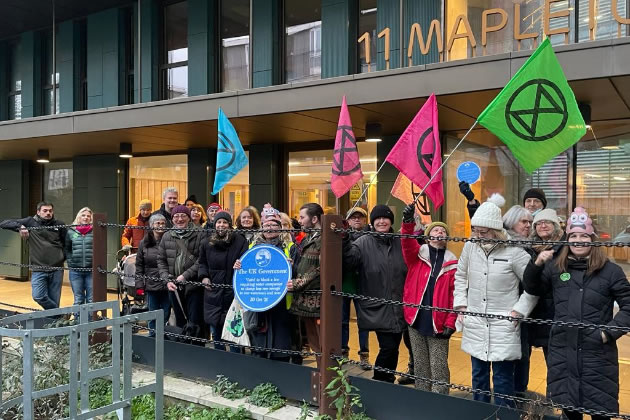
(580,222)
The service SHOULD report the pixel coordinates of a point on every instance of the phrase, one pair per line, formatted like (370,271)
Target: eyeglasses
(544,222)
(526,222)
(480,232)
(180,216)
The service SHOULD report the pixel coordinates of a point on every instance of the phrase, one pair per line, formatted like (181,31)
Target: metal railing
(25,328)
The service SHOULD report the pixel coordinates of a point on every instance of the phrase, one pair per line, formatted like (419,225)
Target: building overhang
(599,73)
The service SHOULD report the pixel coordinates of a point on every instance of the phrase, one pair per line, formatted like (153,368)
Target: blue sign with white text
(469,172)
(261,283)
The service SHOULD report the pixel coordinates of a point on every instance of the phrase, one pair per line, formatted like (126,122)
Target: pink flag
(417,153)
(346,167)
(406,191)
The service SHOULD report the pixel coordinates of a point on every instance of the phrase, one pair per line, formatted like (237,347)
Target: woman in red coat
(430,281)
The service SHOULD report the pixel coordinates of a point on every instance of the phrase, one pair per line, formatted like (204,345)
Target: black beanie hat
(536,193)
(223,215)
(381,210)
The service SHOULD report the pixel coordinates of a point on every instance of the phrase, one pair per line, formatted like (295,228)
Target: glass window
(15,80)
(606,26)
(50,82)
(130,56)
(235,44)
(82,94)
(531,20)
(500,173)
(309,179)
(149,176)
(175,54)
(367,25)
(58,189)
(235,195)
(303,43)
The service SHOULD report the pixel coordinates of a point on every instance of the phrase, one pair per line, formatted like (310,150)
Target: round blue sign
(469,172)
(261,283)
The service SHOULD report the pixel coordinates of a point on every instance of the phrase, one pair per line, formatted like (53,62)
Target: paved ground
(19,293)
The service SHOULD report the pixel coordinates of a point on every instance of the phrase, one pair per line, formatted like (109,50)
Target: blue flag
(231,157)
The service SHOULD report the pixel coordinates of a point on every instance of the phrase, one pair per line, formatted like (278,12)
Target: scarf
(84,229)
(143,219)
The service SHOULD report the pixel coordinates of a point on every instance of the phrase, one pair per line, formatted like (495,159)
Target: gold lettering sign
(385,33)
(366,38)
(416,31)
(619,19)
(548,16)
(517,30)
(485,29)
(468,34)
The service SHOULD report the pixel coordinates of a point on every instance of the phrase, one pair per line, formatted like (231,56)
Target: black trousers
(388,344)
(192,303)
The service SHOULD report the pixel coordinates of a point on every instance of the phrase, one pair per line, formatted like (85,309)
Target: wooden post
(330,312)
(99,258)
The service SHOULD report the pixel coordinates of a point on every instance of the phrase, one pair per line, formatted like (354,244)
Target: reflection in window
(149,176)
(14,76)
(606,25)
(235,195)
(309,179)
(175,59)
(303,29)
(235,44)
(367,24)
(50,82)
(58,189)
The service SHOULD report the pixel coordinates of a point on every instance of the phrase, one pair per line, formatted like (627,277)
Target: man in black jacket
(169,196)
(46,249)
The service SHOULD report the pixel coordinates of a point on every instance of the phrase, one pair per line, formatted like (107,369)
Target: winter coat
(419,270)
(168,250)
(147,264)
(582,371)
(307,278)
(490,284)
(382,273)
(45,246)
(133,236)
(167,215)
(216,262)
(79,249)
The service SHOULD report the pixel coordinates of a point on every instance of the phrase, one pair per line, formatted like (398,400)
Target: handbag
(234,326)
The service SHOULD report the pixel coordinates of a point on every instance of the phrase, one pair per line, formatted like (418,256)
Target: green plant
(228,389)
(344,394)
(267,395)
(305,411)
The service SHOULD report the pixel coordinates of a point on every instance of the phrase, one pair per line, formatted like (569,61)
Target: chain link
(548,403)
(570,324)
(46,227)
(26,308)
(230,344)
(45,267)
(509,242)
(203,229)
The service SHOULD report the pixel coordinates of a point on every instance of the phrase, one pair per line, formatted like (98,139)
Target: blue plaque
(469,172)
(261,283)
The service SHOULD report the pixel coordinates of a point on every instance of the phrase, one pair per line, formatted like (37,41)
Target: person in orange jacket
(131,238)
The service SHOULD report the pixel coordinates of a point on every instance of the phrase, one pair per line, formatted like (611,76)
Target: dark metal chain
(45,267)
(230,344)
(509,242)
(570,324)
(52,227)
(26,308)
(208,230)
(548,403)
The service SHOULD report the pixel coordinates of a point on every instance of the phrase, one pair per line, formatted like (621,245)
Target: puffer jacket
(419,270)
(147,264)
(79,249)
(131,236)
(216,262)
(489,283)
(382,273)
(583,371)
(169,249)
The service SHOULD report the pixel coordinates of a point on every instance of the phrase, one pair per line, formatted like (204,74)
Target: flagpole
(444,162)
(368,186)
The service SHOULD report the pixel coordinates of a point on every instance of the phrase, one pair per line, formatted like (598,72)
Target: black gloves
(446,333)
(464,188)
(408,213)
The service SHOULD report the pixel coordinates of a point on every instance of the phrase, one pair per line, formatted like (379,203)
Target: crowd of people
(569,283)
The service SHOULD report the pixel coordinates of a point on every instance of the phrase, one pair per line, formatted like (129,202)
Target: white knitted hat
(489,213)
(547,214)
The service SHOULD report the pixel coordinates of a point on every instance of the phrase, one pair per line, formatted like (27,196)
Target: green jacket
(307,278)
(78,249)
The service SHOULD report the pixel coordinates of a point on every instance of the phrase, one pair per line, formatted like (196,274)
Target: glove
(447,332)
(408,213)
(464,188)
(139,292)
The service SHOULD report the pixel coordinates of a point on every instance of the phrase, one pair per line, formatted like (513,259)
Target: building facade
(79,80)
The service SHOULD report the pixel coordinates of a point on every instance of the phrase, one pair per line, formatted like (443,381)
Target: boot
(404,380)
(364,358)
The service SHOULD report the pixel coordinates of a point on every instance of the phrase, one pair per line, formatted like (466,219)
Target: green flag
(536,114)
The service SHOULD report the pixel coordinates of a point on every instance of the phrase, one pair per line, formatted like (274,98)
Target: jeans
(387,357)
(502,380)
(364,335)
(46,288)
(81,282)
(158,300)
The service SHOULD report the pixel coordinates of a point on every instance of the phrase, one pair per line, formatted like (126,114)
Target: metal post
(139,66)
(127,354)
(99,261)
(159,366)
(54,62)
(27,375)
(330,328)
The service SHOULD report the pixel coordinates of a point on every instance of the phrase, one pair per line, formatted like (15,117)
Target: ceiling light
(373,132)
(610,147)
(592,176)
(300,174)
(43,156)
(293,163)
(619,178)
(125,151)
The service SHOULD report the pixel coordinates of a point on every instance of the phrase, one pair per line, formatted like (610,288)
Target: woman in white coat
(487,281)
